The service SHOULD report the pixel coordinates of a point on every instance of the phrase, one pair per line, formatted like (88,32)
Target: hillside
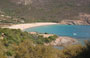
(18,44)
(45,10)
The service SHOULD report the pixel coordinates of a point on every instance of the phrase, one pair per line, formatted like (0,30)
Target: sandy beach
(29,25)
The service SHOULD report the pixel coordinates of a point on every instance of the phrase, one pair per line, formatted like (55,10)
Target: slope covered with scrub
(18,44)
(45,10)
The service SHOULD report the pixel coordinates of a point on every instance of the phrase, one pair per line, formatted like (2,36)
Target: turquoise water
(81,32)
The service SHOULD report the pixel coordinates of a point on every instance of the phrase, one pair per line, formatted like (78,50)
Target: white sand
(29,25)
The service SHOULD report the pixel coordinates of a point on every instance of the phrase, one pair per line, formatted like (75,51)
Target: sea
(79,32)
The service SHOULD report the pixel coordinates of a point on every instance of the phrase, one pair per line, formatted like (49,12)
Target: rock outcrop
(84,20)
(63,41)
(73,22)
(60,40)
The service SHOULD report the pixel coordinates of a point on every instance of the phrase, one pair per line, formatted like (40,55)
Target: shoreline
(60,41)
(29,25)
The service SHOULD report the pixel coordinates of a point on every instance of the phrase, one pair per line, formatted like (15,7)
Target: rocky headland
(60,40)
(63,41)
(84,19)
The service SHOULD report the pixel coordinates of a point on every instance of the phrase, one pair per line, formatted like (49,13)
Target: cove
(80,32)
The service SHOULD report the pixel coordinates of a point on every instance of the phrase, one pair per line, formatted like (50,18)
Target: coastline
(29,25)
(60,41)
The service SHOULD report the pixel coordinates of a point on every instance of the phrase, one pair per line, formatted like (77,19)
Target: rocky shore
(84,19)
(63,41)
(60,40)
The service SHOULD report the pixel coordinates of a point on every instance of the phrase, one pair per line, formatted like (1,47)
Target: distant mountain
(45,10)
